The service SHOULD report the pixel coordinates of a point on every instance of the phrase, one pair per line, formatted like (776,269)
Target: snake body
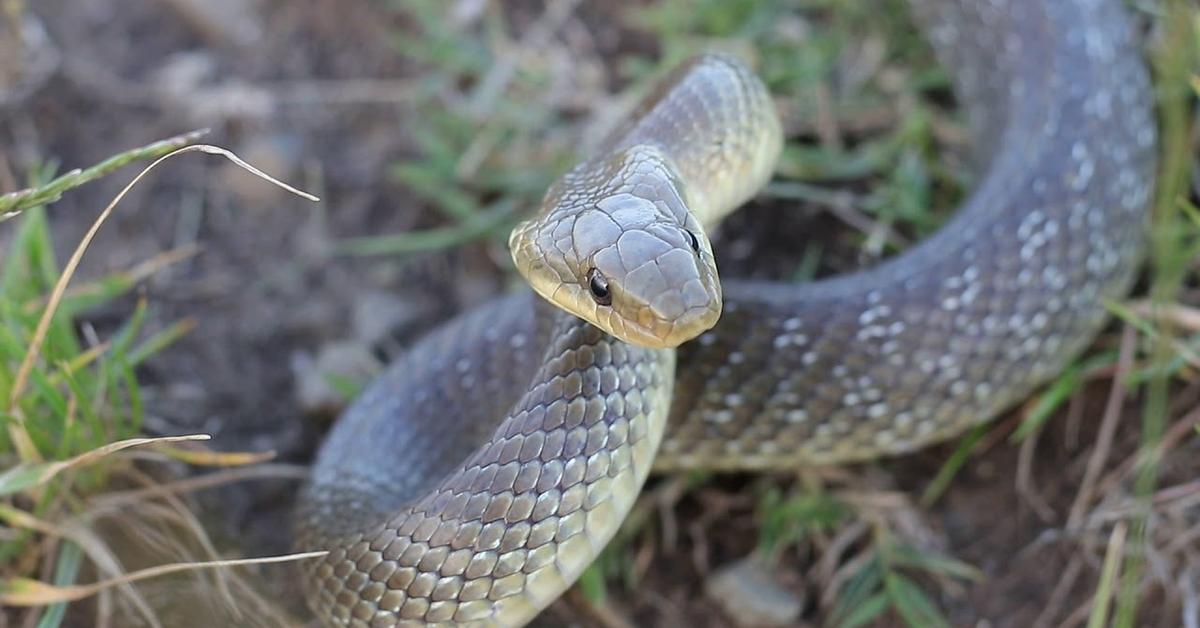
(480,474)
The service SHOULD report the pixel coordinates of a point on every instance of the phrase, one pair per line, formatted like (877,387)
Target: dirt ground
(317,94)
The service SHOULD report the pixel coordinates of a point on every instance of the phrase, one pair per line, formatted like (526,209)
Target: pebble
(750,595)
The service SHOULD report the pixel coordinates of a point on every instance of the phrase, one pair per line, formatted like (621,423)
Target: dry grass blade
(1108,576)
(1108,428)
(121,499)
(95,548)
(28,475)
(29,592)
(133,275)
(1177,314)
(188,521)
(1058,595)
(25,447)
(209,458)
(1025,485)
(18,518)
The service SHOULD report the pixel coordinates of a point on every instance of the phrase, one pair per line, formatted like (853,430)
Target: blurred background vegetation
(212,303)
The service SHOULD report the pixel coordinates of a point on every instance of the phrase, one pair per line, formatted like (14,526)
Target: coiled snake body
(475,480)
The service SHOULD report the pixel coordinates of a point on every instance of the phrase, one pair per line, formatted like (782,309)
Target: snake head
(616,244)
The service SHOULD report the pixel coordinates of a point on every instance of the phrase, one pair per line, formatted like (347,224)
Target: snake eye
(598,286)
(692,240)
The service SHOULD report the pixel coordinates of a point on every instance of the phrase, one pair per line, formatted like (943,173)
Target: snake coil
(480,474)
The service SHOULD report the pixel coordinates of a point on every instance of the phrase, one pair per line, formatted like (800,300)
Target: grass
(883,575)
(44,193)
(1173,251)
(73,406)
(484,155)
(79,396)
(886,580)
(486,152)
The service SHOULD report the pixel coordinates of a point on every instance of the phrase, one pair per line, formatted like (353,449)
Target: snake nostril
(692,240)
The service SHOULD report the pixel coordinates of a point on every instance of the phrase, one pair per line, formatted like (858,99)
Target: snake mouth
(672,317)
(665,322)
(670,332)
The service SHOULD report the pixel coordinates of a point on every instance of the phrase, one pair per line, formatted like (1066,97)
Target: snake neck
(717,125)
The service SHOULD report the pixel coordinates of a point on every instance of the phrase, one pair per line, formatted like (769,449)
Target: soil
(275,307)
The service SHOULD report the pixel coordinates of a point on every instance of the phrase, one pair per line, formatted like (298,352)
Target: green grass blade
(1108,577)
(953,464)
(592,583)
(911,603)
(66,571)
(861,587)
(867,612)
(1059,392)
(14,203)
(933,562)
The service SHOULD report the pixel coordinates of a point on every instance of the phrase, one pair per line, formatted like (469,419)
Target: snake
(485,468)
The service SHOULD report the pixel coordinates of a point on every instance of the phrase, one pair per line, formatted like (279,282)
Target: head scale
(616,244)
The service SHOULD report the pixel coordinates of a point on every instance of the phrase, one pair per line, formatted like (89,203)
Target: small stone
(750,596)
(377,313)
(315,376)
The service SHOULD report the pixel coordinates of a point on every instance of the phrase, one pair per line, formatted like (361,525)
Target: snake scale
(481,473)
